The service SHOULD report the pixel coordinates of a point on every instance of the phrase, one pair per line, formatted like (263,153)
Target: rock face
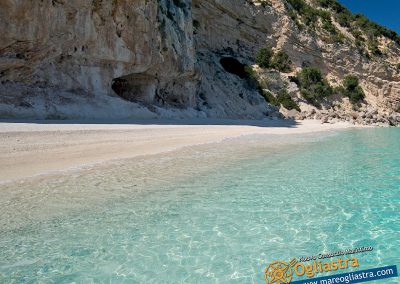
(229,29)
(166,58)
(59,56)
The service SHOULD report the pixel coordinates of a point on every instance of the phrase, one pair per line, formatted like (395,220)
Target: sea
(212,213)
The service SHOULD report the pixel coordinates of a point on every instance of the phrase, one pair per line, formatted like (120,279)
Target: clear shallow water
(213,214)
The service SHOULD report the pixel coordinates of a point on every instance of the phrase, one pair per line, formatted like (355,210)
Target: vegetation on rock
(313,86)
(324,17)
(250,73)
(286,101)
(345,18)
(282,98)
(266,58)
(366,32)
(352,89)
(309,14)
(312,17)
(280,61)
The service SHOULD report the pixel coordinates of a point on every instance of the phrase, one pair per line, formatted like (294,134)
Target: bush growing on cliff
(357,34)
(374,47)
(350,82)
(325,3)
(335,35)
(298,5)
(250,73)
(308,14)
(292,14)
(328,26)
(265,3)
(269,97)
(343,15)
(313,86)
(283,98)
(253,80)
(264,56)
(352,90)
(374,30)
(331,4)
(398,67)
(286,101)
(346,19)
(281,61)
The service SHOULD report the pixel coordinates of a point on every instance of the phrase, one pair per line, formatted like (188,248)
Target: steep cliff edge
(176,58)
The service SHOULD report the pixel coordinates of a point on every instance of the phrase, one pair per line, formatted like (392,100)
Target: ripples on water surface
(210,214)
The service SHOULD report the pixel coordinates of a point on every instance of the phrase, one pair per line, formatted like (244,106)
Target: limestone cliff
(77,58)
(182,58)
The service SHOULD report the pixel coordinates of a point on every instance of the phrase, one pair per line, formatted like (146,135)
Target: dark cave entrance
(135,87)
(121,87)
(233,66)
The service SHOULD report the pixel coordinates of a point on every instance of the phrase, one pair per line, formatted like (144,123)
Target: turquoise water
(210,214)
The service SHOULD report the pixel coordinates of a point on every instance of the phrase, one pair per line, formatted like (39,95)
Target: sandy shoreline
(34,148)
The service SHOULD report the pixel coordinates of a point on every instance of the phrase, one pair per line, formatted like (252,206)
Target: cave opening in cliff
(121,87)
(138,88)
(233,66)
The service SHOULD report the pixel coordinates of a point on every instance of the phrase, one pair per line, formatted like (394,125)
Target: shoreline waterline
(42,148)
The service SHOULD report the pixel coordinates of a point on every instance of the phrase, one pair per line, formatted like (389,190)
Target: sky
(384,12)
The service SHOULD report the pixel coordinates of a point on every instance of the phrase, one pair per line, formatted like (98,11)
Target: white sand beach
(40,147)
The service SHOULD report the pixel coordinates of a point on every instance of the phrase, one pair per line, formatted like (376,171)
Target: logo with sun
(279,272)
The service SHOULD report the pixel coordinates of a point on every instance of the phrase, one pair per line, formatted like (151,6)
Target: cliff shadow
(287,123)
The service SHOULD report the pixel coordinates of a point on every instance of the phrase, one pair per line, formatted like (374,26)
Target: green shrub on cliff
(309,14)
(349,20)
(335,35)
(280,61)
(298,5)
(282,98)
(286,101)
(264,56)
(344,19)
(313,86)
(374,47)
(250,73)
(269,97)
(350,82)
(352,90)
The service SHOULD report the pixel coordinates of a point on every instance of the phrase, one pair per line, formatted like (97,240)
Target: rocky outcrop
(60,55)
(224,29)
(120,58)
(165,58)
(230,28)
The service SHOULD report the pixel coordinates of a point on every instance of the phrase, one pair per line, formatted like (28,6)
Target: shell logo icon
(279,272)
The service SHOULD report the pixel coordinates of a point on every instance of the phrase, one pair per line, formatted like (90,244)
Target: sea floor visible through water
(213,213)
